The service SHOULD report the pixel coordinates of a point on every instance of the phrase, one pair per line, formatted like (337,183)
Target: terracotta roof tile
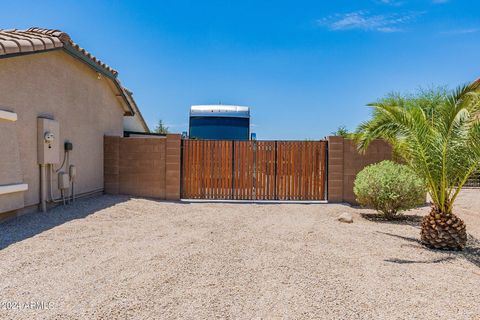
(37,39)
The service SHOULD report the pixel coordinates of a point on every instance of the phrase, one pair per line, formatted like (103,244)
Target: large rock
(345,217)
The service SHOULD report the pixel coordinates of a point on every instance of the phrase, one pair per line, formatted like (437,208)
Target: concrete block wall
(143,166)
(344,162)
(172,167)
(335,169)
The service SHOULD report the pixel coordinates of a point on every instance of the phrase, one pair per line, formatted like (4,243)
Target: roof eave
(137,110)
(77,54)
(102,70)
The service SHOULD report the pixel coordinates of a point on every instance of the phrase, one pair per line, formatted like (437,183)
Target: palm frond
(438,135)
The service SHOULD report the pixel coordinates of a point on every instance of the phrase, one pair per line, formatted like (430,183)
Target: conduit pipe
(43,188)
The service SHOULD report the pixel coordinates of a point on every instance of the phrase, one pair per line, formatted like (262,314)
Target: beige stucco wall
(57,85)
(10,167)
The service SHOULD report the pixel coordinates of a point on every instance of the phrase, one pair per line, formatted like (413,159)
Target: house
(57,102)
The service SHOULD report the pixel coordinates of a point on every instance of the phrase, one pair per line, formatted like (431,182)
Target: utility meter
(49,136)
(48,141)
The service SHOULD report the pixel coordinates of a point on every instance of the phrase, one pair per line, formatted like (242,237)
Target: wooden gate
(254,170)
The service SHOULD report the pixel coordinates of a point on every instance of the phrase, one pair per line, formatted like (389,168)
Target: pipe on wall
(43,188)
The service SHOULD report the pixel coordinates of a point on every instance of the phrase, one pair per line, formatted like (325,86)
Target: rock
(345,217)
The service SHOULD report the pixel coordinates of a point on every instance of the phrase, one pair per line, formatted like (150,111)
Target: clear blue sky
(305,67)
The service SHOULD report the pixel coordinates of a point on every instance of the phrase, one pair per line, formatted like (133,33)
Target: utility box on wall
(48,141)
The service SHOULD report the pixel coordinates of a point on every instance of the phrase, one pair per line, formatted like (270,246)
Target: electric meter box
(48,132)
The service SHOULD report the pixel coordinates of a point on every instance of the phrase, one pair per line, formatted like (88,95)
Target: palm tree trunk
(443,231)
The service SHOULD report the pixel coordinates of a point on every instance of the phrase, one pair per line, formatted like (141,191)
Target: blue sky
(305,67)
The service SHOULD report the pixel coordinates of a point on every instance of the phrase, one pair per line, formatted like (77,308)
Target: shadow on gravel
(471,253)
(410,239)
(411,220)
(402,261)
(31,224)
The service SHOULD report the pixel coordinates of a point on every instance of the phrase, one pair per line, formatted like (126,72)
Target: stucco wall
(10,168)
(56,85)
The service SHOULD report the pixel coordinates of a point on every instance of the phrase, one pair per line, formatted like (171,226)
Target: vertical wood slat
(290,171)
(313,174)
(258,171)
(323,161)
(245,168)
(209,173)
(206,169)
(238,171)
(282,176)
(214,159)
(234,170)
(194,171)
(218,169)
(285,171)
(249,152)
(278,166)
(240,163)
(306,167)
(271,173)
(223,176)
(290,164)
(184,182)
(307,171)
(248,171)
(283,181)
(215,167)
(191,174)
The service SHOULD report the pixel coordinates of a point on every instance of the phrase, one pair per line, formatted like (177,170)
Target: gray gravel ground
(119,258)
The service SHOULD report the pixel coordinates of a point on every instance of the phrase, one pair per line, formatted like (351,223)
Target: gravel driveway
(114,257)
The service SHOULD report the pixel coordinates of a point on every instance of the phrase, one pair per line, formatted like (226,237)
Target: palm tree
(342,131)
(440,141)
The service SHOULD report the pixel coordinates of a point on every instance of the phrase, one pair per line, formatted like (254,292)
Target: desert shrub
(389,188)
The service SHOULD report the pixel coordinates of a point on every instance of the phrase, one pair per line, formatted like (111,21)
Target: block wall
(344,162)
(143,166)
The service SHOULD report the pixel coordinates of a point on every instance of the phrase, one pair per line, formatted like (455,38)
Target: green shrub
(389,188)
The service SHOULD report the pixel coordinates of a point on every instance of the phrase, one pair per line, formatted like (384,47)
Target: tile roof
(13,41)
